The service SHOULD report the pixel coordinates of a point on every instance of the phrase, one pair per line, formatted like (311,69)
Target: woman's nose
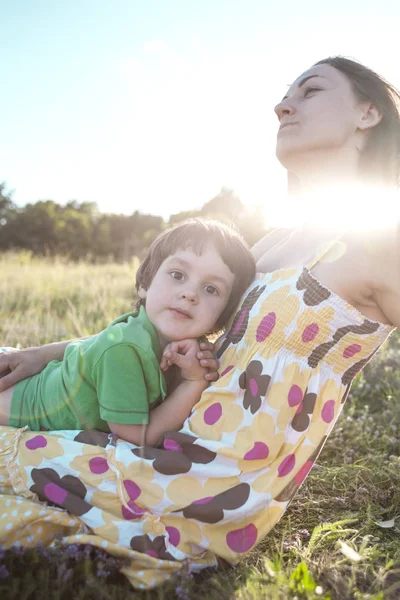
(284,108)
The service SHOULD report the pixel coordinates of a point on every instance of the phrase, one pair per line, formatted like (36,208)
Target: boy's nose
(190,296)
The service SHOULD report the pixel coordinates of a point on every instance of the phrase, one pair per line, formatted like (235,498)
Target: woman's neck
(322,171)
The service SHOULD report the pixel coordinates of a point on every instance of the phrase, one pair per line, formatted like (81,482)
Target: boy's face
(188,294)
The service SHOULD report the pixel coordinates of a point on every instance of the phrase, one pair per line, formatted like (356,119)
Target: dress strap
(324,250)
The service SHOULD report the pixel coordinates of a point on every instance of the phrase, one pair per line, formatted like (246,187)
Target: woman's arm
(168,416)
(385,267)
(15,366)
(387,296)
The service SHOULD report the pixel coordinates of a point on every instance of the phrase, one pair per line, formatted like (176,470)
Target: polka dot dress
(219,485)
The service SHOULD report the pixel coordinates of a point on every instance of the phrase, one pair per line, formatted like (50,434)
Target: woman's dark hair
(380,159)
(195,234)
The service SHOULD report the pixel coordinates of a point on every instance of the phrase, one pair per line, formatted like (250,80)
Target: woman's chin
(287,154)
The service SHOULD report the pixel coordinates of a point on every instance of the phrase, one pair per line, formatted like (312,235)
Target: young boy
(188,285)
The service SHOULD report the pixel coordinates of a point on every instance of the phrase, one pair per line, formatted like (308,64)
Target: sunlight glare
(355,208)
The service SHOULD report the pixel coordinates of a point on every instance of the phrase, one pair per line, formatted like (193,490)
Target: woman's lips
(286,126)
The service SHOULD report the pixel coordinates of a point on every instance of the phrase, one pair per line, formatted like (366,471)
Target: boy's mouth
(181,313)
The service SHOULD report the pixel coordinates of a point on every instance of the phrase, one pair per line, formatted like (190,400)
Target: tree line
(81,231)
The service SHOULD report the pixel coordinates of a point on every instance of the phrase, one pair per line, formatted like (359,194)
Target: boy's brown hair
(194,234)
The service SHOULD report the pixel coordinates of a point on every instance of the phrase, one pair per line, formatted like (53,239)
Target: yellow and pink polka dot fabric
(220,484)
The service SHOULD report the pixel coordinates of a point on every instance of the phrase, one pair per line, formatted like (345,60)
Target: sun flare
(353,208)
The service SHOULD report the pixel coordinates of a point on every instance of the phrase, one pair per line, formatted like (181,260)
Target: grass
(340,537)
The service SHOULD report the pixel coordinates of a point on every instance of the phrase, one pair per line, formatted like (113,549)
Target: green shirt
(113,376)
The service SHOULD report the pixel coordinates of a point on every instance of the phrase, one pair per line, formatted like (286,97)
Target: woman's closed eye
(310,90)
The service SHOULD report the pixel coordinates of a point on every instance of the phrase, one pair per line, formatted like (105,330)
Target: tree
(7,213)
(79,230)
(226,205)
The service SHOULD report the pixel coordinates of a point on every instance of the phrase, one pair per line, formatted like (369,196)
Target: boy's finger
(173,358)
(174,347)
(167,349)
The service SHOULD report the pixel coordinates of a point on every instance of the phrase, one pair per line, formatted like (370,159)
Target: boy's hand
(183,353)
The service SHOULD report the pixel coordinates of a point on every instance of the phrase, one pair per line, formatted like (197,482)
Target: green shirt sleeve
(120,383)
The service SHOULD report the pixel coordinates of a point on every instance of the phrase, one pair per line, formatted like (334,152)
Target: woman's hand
(20,364)
(207,359)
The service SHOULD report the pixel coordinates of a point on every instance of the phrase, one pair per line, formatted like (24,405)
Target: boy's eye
(178,275)
(210,289)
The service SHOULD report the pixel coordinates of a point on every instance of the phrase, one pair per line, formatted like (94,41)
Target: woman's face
(319,114)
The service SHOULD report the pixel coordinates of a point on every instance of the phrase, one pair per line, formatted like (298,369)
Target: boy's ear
(142,293)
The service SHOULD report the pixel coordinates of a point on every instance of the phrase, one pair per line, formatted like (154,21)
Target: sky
(155,105)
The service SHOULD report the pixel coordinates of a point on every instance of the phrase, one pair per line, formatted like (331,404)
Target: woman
(326,303)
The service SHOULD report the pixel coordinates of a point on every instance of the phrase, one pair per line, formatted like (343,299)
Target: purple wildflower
(3,572)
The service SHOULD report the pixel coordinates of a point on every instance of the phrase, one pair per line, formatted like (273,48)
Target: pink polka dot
(172,445)
(212,414)
(241,540)
(225,371)
(258,452)
(328,411)
(135,511)
(295,395)
(286,465)
(98,465)
(151,553)
(55,493)
(132,488)
(174,535)
(205,500)
(300,409)
(240,320)
(351,350)
(310,332)
(36,442)
(253,385)
(265,327)
(302,474)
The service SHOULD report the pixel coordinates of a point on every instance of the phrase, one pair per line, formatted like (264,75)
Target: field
(340,538)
